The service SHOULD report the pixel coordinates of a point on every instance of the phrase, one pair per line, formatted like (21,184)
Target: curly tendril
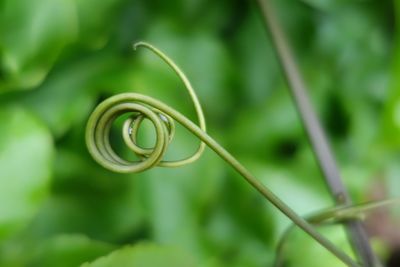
(142,107)
(162,117)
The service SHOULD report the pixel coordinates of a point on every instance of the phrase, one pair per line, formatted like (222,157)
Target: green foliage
(25,162)
(31,39)
(59,58)
(60,250)
(144,255)
(69,250)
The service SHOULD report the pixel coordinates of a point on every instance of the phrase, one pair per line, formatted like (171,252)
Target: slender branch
(317,137)
(335,215)
(161,115)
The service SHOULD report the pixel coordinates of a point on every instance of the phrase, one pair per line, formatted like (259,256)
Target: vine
(331,216)
(162,117)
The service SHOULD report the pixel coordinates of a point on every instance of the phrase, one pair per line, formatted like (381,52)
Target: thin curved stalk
(335,215)
(324,156)
(162,117)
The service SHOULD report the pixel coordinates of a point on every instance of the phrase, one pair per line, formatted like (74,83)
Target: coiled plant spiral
(162,116)
(142,107)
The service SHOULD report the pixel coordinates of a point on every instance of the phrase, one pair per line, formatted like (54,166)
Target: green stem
(159,114)
(324,156)
(333,215)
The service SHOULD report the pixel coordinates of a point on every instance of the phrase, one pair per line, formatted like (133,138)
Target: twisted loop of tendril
(141,107)
(162,117)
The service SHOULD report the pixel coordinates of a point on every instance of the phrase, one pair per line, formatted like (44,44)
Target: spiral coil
(140,107)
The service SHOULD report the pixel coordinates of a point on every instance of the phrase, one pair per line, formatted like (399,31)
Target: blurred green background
(59,58)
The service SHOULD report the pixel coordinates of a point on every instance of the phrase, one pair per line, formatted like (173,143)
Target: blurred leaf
(69,92)
(391,130)
(257,67)
(359,180)
(324,4)
(353,39)
(144,255)
(95,27)
(302,250)
(25,164)
(391,118)
(118,215)
(236,236)
(67,250)
(33,33)
(61,250)
(283,135)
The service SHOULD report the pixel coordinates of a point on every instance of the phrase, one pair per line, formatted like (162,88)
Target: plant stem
(333,215)
(97,134)
(121,99)
(317,137)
